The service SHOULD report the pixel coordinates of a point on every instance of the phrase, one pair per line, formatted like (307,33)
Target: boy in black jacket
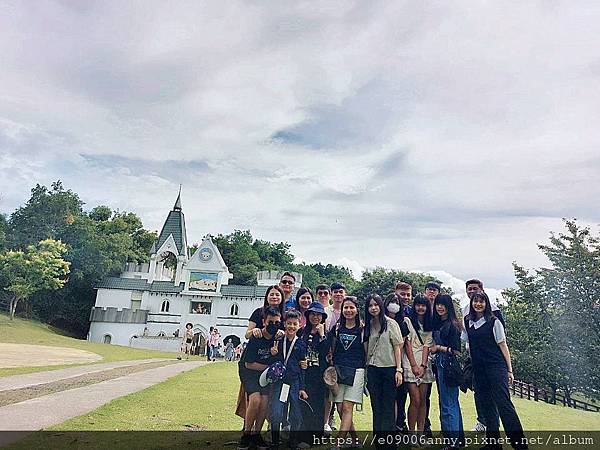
(288,392)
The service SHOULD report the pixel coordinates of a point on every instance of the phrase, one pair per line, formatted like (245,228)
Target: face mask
(393,308)
(272,328)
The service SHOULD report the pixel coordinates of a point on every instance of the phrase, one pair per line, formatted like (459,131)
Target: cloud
(426,135)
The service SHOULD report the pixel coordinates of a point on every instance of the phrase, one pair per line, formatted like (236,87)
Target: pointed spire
(177,206)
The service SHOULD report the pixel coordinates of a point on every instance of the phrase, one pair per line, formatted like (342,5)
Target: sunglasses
(286,282)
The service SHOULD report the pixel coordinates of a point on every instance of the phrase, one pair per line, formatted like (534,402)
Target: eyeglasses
(286,282)
(323,293)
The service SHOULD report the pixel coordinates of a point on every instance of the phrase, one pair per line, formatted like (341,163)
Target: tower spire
(177,206)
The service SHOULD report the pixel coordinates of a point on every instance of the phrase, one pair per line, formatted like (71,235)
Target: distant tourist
(186,343)
(229,350)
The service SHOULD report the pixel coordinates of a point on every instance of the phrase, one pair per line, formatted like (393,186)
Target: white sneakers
(478,426)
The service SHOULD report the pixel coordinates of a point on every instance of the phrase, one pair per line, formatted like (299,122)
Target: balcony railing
(114,315)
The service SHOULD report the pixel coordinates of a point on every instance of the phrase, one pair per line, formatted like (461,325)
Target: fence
(532,392)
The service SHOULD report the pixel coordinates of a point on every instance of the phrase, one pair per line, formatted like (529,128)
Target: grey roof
(243,291)
(135,284)
(175,225)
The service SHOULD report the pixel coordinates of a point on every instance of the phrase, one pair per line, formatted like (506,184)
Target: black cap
(337,285)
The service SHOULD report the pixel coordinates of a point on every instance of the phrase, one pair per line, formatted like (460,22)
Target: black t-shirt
(258,318)
(349,350)
(448,335)
(258,350)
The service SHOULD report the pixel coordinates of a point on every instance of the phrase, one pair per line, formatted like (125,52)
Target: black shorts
(249,379)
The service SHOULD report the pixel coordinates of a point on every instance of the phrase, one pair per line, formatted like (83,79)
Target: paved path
(27,355)
(43,412)
(49,376)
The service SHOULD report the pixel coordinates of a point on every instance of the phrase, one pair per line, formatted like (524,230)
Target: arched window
(106,339)
(234,310)
(164,307)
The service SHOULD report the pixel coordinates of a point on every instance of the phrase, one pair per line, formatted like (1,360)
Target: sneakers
(478,426)
(245,442)
(327,430)
(260,442)
(303,445)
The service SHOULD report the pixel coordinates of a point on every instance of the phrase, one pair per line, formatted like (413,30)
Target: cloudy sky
(431,136)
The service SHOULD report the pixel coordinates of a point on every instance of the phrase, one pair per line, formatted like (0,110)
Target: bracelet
(399,370)
(423,366)
(509,371)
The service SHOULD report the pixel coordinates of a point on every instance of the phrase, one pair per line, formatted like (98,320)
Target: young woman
(383,345)
(304,298)
(417,371)
(492,369)
(316,352)
(394,309)
(447,330)
(349,361)
(273,297)
(186,342)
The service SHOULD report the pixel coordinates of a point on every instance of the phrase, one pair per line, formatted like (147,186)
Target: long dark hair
(300,293)
(487,312)
(342,319)
(382,320)
(414,317)
(446,300)
(266,302)
(393,298)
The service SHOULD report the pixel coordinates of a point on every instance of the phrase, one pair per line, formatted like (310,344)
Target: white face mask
(393,308)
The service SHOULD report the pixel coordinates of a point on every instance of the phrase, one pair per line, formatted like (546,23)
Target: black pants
(427,426)
(492,383)
(381,381)
(313,420)
(401,394)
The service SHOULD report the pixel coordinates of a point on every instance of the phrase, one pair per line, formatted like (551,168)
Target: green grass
(205,399)
(33,332)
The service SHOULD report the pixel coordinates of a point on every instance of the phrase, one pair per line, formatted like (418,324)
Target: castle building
(149,304)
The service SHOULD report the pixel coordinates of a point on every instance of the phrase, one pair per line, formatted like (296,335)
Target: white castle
(148,305)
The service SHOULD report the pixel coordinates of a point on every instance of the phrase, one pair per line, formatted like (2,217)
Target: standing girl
(492,370)
(447,329)
(316,352)
(304,298)
(349,361)
(186,342)
(383,344)
(417,371)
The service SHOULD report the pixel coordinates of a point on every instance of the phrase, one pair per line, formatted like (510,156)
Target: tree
(36,269)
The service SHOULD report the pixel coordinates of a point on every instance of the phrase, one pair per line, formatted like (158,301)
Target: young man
(255,359)
(323,295)
(404,292)
(471,287)
(286,283)
(287,393)
(338,292)
(333,311)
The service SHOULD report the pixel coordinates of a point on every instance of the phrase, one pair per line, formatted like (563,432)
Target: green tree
(39,268)
(3,229)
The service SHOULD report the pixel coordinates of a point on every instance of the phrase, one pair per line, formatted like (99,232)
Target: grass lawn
(33,332)
(204,399)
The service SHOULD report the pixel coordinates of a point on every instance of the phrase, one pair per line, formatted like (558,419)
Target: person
(229,350)
(333,311)
(383,346)
(394,310)
(210,332)
(304,298)
(286,283)
(323,295)
(417,370)
(255,359)
(214,343)
(404,292)
(432,289)
(186,342)
(348,357)
(273,298)
(238,351)
(492,371)
(472,286)
(446,332)
(288,392)
(313,413)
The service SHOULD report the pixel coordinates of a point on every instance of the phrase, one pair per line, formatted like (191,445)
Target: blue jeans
(279,412)
(450,415)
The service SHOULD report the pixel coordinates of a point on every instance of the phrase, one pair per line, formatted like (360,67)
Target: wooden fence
(532,392)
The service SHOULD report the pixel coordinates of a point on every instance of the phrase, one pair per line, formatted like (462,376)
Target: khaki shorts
(352,393)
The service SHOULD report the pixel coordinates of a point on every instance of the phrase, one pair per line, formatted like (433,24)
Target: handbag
(453,372)
(345,374)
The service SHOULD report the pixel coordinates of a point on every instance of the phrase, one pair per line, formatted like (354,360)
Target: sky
(442,137)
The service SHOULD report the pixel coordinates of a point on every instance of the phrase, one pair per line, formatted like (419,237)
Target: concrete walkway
(49,376)
(43,412)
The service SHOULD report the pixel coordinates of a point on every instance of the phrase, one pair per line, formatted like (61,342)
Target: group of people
(331,352)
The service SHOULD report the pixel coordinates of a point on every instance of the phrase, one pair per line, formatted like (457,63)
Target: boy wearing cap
(287,393)
(256,358)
